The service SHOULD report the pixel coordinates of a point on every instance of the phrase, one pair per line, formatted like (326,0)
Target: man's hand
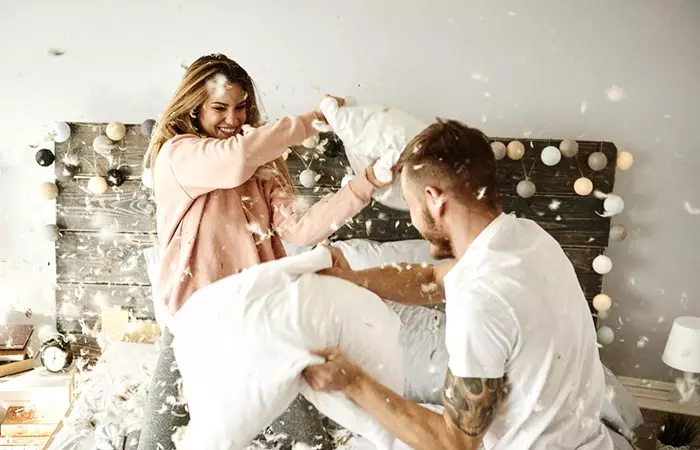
(336,374)
(340,265)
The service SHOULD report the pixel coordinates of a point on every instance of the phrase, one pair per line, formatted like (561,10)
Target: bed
(107,413)
(100,265)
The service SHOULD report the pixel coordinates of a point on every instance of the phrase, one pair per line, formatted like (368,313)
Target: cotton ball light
(602,302)
(613,204)
(61,132)
(569,148)
(597,161)
(583,186)
(624,160)
(515,150)
(115,177)
(308,178)
(50,232)
(48,190)
(102,145)
(97,185)
(147,178)
(499,149)
(602,264)
(550,156)
(311,141)
(147,127)
(618,232)
(605,335)
(115,131)
(44,157)
(526,189)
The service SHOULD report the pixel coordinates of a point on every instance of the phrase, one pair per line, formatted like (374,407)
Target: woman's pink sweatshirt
(217,216)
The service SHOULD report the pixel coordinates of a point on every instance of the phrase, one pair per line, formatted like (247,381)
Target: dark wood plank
(83,257)
(79,306)
(129,208)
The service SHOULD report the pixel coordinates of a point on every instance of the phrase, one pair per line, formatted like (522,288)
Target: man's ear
(435,199)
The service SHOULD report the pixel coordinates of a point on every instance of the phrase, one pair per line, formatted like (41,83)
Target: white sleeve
(481,333)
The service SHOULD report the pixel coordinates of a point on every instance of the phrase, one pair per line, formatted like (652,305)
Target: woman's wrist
(318,115)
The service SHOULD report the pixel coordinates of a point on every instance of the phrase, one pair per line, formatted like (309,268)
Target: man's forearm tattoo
(472,402)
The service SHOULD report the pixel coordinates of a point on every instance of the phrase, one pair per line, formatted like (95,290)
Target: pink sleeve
(323,218)
(201,165)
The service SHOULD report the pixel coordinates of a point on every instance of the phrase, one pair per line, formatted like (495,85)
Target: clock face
(54,359)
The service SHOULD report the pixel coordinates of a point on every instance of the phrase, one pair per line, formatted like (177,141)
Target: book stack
(14,349)
(27,428)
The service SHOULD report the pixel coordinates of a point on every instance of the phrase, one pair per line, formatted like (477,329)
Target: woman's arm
(201,165)
(408,284)
(325,216)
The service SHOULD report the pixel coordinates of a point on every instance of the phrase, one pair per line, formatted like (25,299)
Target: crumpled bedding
(133,364)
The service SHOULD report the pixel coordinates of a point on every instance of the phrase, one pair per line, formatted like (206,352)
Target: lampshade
(682,350)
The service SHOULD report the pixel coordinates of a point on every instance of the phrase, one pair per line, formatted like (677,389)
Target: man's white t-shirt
(515,308)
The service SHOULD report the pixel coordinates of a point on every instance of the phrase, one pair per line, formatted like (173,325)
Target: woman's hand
(319,115)
(372,178)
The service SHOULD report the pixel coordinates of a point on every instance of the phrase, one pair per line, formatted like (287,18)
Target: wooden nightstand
(659,396)
(655,398)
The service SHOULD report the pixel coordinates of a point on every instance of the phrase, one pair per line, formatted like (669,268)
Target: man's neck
(465,225)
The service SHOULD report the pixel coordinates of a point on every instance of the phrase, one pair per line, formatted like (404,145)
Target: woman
(224,203)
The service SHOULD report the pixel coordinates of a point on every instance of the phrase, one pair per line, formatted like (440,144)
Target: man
(524,371)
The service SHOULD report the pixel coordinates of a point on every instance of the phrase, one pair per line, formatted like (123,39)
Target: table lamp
(682,351)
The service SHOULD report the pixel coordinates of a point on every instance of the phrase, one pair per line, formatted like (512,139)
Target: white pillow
(423,329)
(364,254)
(373,132)
(241,344)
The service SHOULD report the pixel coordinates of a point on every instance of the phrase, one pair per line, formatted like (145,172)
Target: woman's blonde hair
(181,114)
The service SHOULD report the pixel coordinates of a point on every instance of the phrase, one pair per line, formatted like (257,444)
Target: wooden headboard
(98,254)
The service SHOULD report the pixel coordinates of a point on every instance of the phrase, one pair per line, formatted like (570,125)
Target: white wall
(537,60)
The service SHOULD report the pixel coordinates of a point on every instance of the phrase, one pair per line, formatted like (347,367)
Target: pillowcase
(422,329)
(373,132)
(242,342)
(364,254)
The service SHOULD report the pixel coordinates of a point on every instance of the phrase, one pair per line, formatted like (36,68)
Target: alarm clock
(56,354)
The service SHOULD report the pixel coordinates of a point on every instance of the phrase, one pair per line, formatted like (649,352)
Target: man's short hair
(456,159)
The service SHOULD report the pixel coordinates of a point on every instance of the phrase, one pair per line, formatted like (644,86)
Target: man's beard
(440,245)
